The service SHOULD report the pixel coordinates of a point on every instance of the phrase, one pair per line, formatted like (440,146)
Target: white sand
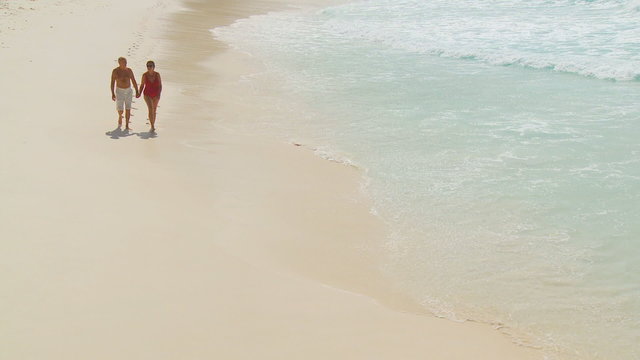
(200,243)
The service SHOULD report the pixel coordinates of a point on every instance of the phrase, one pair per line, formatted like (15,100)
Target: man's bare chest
(122,74)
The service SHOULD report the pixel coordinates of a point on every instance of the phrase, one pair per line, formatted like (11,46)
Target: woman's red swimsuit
(152,88)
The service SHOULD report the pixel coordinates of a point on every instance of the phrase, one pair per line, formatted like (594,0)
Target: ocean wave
(596,39)
(593,39)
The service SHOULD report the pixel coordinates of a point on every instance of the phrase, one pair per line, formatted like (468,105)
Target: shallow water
(501,144)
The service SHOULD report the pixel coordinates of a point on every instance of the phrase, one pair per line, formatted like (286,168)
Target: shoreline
(293,253)
(240,66)
(187,244)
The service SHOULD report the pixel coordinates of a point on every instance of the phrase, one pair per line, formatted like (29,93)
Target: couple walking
(122,93)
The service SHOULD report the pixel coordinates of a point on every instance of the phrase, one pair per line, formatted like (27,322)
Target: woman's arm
(142,84)
(159,85)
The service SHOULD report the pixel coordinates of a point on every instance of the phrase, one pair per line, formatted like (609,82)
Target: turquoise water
(501,141)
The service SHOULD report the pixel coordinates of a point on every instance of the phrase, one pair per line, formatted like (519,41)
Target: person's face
(123,63)
(150,67)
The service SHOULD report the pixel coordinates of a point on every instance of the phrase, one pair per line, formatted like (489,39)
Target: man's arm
(135,83)
(113,83)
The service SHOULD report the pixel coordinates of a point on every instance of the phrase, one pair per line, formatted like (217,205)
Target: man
(121,92)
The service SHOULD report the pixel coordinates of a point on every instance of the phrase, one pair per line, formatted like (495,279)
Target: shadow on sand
(147,135)
(118,133)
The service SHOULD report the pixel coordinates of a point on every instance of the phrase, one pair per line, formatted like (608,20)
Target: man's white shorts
(124,97)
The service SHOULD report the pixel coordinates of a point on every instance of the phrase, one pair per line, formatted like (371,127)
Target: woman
(151,87)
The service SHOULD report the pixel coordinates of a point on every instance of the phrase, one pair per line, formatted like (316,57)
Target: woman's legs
(154,106)
(149,102)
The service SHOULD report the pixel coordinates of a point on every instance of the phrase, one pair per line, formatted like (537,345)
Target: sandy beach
(200,241)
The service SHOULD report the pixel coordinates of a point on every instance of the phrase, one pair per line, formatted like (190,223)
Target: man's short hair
(122,58)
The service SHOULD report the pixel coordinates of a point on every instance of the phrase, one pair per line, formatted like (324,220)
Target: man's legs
(128,99)
(119,105)
(127,116)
